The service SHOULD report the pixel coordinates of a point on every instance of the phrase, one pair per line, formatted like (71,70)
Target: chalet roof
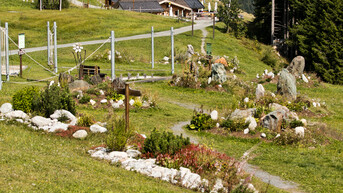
(194,4)
(150,6)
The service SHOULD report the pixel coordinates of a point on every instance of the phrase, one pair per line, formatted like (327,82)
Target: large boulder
(6,108)
(297,66)
(219,73)
(286,85)
(243,114)
(65,78)
(259,92)
(60,113)
(40,121)
(273,120)
(300,131)
(79,85)
(17,115)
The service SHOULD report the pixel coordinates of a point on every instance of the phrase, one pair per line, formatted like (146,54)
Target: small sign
(21,41)
(209,49)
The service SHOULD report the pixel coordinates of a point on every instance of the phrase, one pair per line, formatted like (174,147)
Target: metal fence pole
(48,32)
(172,49)
(152,48)
(55,46)
(112,57)
(7,53)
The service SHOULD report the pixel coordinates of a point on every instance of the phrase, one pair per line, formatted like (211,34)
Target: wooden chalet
(146,6)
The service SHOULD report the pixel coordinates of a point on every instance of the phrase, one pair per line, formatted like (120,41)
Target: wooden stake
(127,106)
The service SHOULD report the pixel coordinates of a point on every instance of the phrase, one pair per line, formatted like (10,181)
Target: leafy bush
(54,98)
(288,137)
(85,99)
(162,143)
(93,91)
(235,125)
(85,120)
(117,137)
(296,123)
(112,94)
(201,121)
(23,99)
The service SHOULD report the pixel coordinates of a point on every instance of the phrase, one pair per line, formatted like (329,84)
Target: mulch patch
(71,130)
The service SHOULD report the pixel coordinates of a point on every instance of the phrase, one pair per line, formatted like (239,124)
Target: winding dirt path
(264,176)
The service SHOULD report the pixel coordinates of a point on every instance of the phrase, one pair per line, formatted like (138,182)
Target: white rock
(131,102)
(265,71)
(116,105)
(80,95)
(246,131)
(277,136)
(263,135)
(304,78)
(257,76)
(102,92)
(165,58)
(97,129)
(133,153)
(218,186)
(252,188)
(318,104)
(234,77)
(17,114)
(314,104)
(259,91)
(120,102)
(92,102)
(51,83)
(6,108)
(60,113)
(252,123)
(217,125)
(246,100)
(118,155)
(143,136)
(80,134)
(20,120)
(232,71)
(219,85)
(40,121)
(304,122)
(300,131)
(214,115)
(209,80)
(273,95)
(271,75)
(103,101)
(56,126)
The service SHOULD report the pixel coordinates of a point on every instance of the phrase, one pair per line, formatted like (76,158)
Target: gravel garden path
(276,181)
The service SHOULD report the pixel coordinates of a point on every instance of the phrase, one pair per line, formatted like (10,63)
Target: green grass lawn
(76,24)
(39,162)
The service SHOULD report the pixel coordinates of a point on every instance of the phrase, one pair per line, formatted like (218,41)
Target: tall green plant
(23,99)
(117,135)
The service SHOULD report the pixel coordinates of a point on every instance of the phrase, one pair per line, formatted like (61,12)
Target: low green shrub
(93,91)
(201,121)
(85,120)
(117,136)
(296,123)
(235,125)
(85,99)
(163,143)
(23,99)
(288,137)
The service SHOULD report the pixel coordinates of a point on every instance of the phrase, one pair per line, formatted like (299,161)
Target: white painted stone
(143,136)
(209,80)
(314,104)
(80,134)
(131,102)
(318,104)
(59,113)
(252,188)
(120,102)
(257,76)
(303,77)
(304,122)
(116,105)
(270,75)
(218,186)
(232,71)
(17,114)
(56,126)
(6,108)
(40,121)
(277,136)
(102,92)
(103,101)
(165,58)
(300,131)
(217,125)
(92,102)
(97,129)
(246,100)
(273,95)
(246,131)
(263,135)
(265,71)
(118,154)
(20,120)
(214,115)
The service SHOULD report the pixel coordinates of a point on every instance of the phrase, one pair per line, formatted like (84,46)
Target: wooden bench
(90,70)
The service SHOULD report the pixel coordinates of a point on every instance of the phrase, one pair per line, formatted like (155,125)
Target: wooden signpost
(128,92)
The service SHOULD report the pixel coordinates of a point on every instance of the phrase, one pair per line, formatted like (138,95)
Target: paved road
(200,24)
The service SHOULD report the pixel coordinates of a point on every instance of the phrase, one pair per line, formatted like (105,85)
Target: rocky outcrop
(219,73)
(243,114)
(297,66)
(286,85)
(79,85)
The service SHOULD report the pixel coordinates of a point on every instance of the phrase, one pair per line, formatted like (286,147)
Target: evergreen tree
(228,13)
(318,36)
(260,28)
